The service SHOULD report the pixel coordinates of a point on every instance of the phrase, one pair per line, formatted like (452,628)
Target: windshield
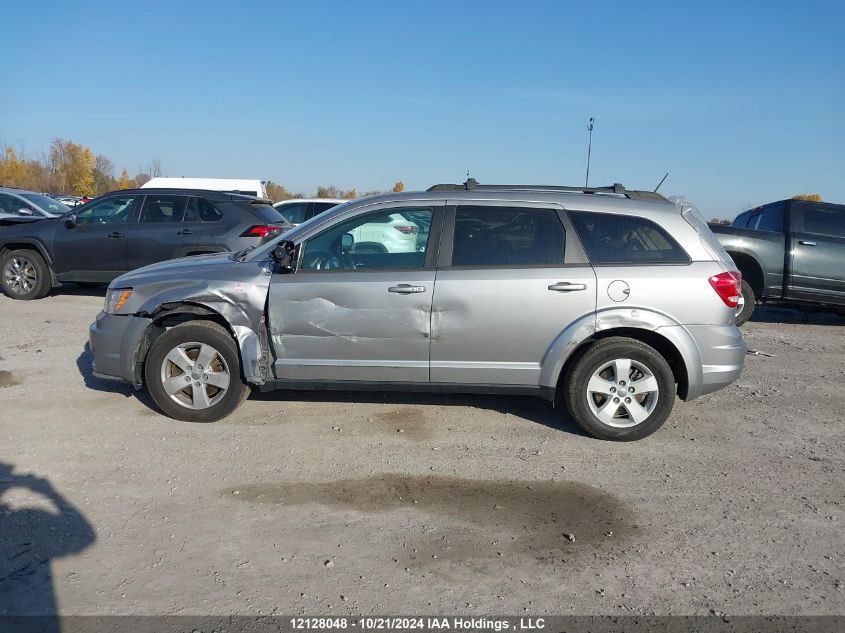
(46,203)
(264,250)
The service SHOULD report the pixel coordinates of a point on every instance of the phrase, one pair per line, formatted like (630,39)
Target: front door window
(388,239)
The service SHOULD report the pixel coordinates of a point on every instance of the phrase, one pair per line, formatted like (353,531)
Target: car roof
(623,201)
(16,190)
(297,200)
(176,191)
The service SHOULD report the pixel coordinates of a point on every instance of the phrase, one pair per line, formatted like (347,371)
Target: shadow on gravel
(772,314)
(30,538)
(534,409)
(83,364)
(476,518)
(80,290)
(530,408)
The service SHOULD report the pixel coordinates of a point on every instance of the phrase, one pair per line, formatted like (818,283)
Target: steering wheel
(323,260)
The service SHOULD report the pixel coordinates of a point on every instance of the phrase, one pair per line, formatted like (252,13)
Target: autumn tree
(12,169)
(74,165)
(276,192)
(103,175)
(124,182)
(399,187)
(808,197)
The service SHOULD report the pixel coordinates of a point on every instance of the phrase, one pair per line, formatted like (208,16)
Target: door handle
(184,232)
(406,289)
(115,234)
(565,286)
(806,243)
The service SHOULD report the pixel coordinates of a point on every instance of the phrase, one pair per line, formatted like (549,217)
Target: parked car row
(20,205)
(128,229)
(608,300)
(790,252)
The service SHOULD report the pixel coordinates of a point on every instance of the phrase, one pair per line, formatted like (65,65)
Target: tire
(591,383)
(749,301)
(25,275)
(186,343)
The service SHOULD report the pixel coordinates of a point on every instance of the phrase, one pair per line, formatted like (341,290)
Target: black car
(124,230)
(790,252)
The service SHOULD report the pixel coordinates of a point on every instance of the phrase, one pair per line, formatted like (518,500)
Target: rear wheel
(25,275)
(746,304)
(620,389)
(193,372)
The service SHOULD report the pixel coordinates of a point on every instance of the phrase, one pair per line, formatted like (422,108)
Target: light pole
(589,150)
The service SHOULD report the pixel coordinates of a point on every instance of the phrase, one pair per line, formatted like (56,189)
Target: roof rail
(472,185)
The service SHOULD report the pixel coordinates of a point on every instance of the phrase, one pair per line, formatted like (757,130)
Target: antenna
(661,182)
(589,150)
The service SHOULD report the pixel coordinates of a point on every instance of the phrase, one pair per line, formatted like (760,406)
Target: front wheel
(25,275)
(193,372)
(620,389)
(746,305)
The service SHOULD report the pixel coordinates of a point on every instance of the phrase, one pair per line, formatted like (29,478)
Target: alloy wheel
(195,375)
(20,275)
(622,393)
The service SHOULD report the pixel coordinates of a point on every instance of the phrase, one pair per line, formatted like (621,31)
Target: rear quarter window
(265,212)
(612,239)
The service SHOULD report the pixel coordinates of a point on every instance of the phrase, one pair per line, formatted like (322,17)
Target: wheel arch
(170,314)
(665,335)
(751,270)
(35,245)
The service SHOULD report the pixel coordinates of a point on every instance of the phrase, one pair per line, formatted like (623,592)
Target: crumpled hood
(195,266)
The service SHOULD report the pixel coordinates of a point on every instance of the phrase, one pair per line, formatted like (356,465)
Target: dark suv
(124,230)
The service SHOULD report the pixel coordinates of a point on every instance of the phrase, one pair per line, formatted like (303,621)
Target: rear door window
(741,220)
(295,213)
(611,239)
(770,218)
(163,209)
(507,236)
(207,211)
(819,219)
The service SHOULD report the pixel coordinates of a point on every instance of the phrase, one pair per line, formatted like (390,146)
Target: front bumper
(114,340)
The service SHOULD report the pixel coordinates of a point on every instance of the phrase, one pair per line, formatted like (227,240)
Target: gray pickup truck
(790,252)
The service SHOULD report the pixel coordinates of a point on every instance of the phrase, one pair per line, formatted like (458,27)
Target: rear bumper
(722,352)
(114,341)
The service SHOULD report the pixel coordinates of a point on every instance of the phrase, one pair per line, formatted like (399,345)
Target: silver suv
(608,300)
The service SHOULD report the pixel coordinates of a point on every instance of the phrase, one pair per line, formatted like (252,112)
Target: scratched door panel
(349,325)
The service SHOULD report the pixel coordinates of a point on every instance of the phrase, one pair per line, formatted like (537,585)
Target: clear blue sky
(742,102)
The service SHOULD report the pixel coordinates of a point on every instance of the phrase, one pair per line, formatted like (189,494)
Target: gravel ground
(390,503)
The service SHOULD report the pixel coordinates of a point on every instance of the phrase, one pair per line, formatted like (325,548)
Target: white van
(231,185)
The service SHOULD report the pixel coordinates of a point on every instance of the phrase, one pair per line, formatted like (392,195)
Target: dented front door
(359,312)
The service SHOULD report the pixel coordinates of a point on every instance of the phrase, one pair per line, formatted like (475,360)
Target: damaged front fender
(234,291)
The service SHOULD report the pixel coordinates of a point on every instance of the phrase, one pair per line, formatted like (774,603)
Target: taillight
(262,230)
(728,286)
(407,229)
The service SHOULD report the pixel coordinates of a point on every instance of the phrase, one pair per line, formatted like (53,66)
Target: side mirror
(346,242)
(70,220)
(24,211)
(285,256)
